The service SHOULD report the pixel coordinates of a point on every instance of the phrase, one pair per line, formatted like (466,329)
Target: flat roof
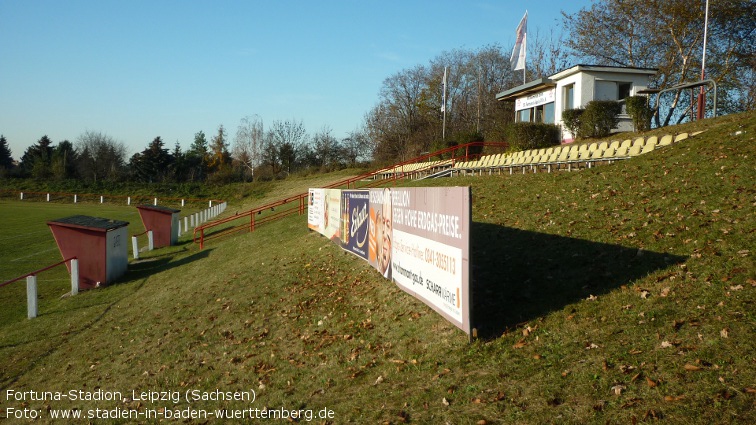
(544,83)
(159,208)
(89,223)
(603,68)
(526,89)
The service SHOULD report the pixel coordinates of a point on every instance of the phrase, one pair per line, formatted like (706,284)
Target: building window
(569,96)
(624,90)
(523,115)
(548,113)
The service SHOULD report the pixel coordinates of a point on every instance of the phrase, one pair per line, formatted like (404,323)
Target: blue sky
(135,70)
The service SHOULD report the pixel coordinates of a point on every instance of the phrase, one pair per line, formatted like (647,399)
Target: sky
(135,70)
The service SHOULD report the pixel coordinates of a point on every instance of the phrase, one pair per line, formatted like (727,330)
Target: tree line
(412,116)
(284,148)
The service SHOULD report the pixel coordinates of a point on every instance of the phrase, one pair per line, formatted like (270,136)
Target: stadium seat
(680,137)
(626,143)
(635,150)
(666,140)
(622,152)
(649,146)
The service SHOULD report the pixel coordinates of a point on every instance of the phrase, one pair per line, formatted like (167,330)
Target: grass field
(620,294)
(27,244)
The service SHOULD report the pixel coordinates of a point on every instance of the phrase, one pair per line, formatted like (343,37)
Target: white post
(135,246)
(191,220)
(48,197)
(22,196)
(182,202)
(31,296)
(101,199)
(155,201)
(74,276)
(128,200)
(186,224)
(75,198)
(150,240)
(210,204)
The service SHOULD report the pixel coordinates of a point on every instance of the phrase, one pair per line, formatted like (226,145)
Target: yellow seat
(680,137)
(666,140)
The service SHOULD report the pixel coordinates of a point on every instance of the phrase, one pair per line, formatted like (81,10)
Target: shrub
(639,112)
(600,117)
(531,135)
(572,119)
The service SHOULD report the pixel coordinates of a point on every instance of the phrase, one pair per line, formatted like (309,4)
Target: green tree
(152,164)
(37,159)
(64,159)
(6,160)
(179,165)
(197,158)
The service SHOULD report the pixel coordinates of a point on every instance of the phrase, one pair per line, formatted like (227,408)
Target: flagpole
(701,103)
(443,108)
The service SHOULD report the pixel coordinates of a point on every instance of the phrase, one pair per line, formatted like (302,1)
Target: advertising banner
(380,232)
(430,248)
(354,228)
(324,212)
(315,213)
(417,237)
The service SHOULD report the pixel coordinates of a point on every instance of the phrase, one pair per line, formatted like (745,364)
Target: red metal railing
(36,272)
(250,220)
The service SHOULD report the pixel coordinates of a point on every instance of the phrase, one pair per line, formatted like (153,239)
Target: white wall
(592,85)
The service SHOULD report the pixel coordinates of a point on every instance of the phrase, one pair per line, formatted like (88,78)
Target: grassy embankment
(619,294)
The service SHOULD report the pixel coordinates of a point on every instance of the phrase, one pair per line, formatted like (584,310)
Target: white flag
(443,99)
(518,53)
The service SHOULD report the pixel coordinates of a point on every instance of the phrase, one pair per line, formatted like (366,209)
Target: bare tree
(249,143)
(326,149)
(100,156)
(356,147)
(668,35)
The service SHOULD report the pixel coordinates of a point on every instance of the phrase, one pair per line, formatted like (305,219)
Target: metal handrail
(36,272)
(351,182)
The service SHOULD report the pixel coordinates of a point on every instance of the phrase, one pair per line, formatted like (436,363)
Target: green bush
(531,135)
(572,119)
(639,112)
(600,117)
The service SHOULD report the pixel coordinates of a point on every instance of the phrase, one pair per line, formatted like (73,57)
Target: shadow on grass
(138,270)
(142,268)
(521,275)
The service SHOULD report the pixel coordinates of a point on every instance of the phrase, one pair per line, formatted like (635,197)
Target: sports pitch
(27,244)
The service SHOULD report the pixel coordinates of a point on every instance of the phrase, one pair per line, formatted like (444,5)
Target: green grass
(620,294)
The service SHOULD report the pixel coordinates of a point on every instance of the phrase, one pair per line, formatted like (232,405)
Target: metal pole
(701,102)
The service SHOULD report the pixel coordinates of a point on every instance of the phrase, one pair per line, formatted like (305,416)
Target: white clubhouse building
(543,100)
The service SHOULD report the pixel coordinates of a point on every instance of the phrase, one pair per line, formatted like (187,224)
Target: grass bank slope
(620,294)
